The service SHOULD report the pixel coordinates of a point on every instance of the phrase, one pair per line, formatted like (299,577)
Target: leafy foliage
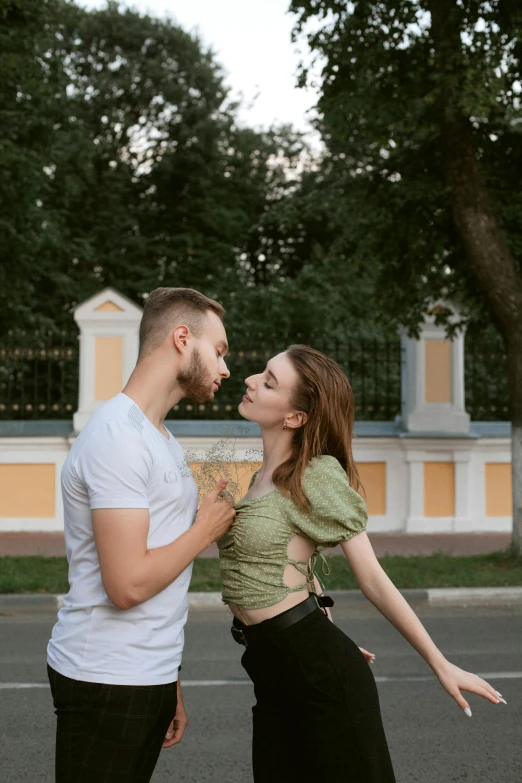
(380,118)
(123,165)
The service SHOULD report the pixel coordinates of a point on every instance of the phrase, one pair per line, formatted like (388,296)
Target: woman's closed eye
(267,385)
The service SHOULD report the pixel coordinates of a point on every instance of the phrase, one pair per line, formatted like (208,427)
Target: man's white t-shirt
(120,460)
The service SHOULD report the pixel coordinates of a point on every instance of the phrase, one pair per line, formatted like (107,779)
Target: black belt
(241,632)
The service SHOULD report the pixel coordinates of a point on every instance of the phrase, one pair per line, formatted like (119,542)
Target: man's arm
(131,573)
(178,724)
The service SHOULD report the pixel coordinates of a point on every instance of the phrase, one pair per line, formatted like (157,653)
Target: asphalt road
(431,740)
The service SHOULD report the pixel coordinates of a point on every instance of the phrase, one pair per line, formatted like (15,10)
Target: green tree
(30,75)
(420,111)
(131,90)
(124,164)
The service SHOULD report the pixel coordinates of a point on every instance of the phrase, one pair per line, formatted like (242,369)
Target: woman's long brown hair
(324,393)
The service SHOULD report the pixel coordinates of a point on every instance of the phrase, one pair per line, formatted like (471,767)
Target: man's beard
(196,382)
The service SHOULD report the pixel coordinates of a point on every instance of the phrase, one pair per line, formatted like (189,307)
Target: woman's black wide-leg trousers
(317,715)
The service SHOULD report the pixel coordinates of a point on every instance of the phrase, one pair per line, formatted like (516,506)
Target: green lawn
(499,569)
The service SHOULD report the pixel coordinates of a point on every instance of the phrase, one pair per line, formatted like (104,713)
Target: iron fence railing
(485,378)
(372,365)
(39,375)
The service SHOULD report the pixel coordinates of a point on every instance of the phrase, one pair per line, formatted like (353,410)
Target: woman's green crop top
(254,553)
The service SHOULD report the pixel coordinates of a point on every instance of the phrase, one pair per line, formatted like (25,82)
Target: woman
(317,714)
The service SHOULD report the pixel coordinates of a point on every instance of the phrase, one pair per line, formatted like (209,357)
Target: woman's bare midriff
(254,616)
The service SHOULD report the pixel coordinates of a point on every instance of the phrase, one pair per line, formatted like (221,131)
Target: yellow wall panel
(499,501)
(439,489)
(438,370)
(373,479)
(108,307)
(108,367)
(27,491)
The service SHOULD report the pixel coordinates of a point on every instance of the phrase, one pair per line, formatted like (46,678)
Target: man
(132,532)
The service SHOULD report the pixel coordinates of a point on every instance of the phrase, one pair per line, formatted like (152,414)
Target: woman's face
(268,395)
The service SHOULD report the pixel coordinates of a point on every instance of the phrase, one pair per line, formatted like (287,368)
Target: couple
(133,529)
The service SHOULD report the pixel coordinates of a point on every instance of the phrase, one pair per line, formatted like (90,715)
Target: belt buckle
(323,601)
(238,635)
(326,600)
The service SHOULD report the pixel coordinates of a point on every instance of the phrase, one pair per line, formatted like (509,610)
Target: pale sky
(251,40)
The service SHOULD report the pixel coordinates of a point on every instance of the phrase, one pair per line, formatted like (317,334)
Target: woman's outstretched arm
(380,590)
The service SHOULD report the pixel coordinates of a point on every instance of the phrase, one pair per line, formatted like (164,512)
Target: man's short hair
(166,308)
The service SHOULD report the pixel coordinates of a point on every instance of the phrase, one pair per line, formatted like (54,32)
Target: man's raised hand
(216,513)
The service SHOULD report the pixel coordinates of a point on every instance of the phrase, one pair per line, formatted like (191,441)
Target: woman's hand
(370,657)
(455,680)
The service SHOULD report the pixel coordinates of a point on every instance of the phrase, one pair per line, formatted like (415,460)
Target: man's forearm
(157,568)
(131,572)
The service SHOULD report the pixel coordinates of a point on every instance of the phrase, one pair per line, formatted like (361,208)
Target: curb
(436,596)
(474,596)
(29,602)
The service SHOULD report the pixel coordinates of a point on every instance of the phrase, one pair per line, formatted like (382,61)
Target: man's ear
(296,420)
(181,338)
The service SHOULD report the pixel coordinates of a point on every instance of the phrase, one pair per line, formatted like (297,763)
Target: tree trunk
(514,354)
(516,472)
(487,251)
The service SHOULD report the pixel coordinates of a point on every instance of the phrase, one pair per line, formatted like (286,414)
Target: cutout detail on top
(299,552)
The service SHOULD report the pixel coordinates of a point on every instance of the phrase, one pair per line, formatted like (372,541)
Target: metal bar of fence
(375,356)
(62,371)
(35,385)
(471,376)
(385,358)
(362,353)
(21,380)
(49,377)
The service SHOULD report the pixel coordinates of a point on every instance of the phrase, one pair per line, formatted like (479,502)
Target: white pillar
(109,330)
(433,381)
(462,522)
(415,515)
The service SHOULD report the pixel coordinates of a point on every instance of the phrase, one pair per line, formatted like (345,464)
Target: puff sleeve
(337,511)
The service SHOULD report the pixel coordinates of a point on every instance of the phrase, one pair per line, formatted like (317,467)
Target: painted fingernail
(468,712)
(503,701)
(498,694)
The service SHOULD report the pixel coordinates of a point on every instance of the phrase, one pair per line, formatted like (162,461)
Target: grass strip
(36,574)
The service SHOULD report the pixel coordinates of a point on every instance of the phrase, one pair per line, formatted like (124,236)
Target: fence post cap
(106,305)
